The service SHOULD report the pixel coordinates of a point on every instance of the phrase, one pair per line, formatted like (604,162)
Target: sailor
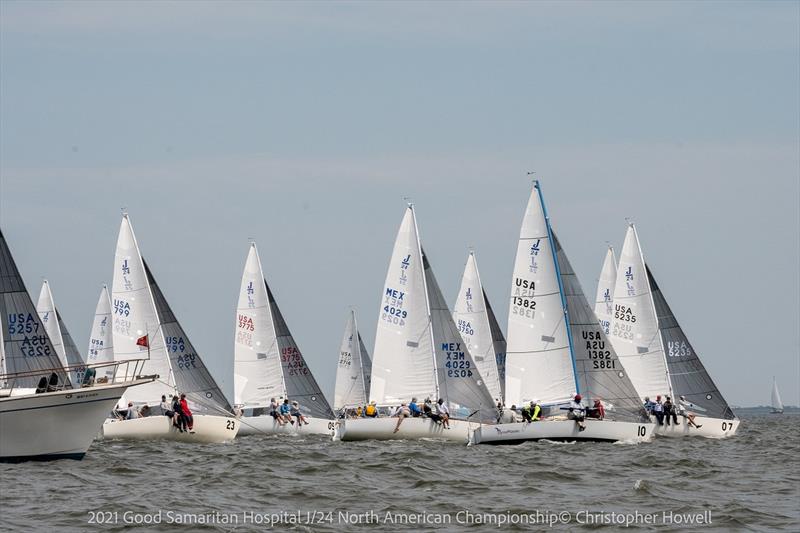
(414,408)
(577,412)
(648,405)
(530,413)
(670,411)
(187,414)
(427,410)
(165,410)
(295,412)
(359,411)
(285,411)
(371,410)
(402,412)
(178,420)
(133,414)
(508,416)
(658,411)
(444,413)
(683,410)
(597,410)
(273,412)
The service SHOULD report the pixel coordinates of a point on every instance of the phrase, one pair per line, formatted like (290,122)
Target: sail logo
(607,295)
(406,262)
(121,307)
(104,322)
(629,281)
(250,289)
(125,268)
(534,253)
(469,300)
(46,317)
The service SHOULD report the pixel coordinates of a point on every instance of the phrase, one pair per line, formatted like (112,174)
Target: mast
(360,356)
(560,285)
(427,303)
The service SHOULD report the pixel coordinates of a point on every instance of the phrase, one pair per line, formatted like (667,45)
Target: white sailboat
(268,364)
(477,325)
(101,339)
(604,301)
(145,327)
(777,404)
(657,354)
(42,414)
(353,370)
(557,348)
(419,353)
(59,335)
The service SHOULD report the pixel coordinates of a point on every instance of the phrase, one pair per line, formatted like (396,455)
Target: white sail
(470,313)
(604,302)
(404,361)
(352,370)
(135,320)
(634,326)
(62,340)
(777,404)
(101,340)
(257,372)
(538,362)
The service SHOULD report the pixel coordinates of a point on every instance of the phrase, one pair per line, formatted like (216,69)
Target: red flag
(142,341)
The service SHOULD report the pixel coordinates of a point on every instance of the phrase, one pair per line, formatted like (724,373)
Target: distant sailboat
(604,302)
(419,353)
(777,404)
(656,352)
(352,370)
(144,326)
(268,364)
(42,414)
(475,320)
(59,335)
(101,339)
(557,348)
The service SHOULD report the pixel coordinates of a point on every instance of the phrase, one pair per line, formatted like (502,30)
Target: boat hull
(207,429)
(713,428)
(563,431)
(351,429)
(54,425)
(266,425)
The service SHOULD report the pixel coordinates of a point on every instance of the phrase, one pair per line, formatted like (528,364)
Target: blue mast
(560,285)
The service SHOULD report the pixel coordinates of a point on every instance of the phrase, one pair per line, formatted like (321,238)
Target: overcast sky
(305,125)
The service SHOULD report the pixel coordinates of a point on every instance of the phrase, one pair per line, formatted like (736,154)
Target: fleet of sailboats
(626,350)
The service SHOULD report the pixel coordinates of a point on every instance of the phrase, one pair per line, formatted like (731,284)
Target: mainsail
(58,333)
(471,315)
(604,302)
(403,364)
(25,346)
(257,370)
(687,374)
(460,382)
(600,374)
(191,375)
(777,404)
(300,382)
(353,369)
(137,331)
(634,326)
(101,341)
(539,363)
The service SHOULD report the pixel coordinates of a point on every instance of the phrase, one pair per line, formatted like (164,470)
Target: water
(751,481)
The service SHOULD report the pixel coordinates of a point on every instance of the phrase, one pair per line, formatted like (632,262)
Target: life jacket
(536,411)
(371,410)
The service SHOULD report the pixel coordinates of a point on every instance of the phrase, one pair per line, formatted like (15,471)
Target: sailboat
(59,335)
(557,349)
(353,370)
(604,302)
(656,352)
(419,353)
(777,404)
(145,326)
(42,414)
(268,364)
(101,338)
(478,327)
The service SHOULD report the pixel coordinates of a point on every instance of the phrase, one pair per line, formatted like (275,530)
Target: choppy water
(751,481)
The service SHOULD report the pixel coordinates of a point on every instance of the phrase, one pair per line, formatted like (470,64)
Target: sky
(307,127)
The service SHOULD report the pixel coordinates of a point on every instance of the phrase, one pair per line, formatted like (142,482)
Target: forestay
(135,321)
(257,370)
(599,372)
(687,373)
(352,370)
(471,315)
(25,345)
(635,332)
(300,382)
(538,361)
(58,333)
(101,342)
(604,302)
(460,380)
(403,365)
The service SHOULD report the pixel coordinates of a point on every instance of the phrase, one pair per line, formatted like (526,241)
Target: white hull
(411,428)
(55,425)
(266,425)
(563,430)
(714,428)
(207,429)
